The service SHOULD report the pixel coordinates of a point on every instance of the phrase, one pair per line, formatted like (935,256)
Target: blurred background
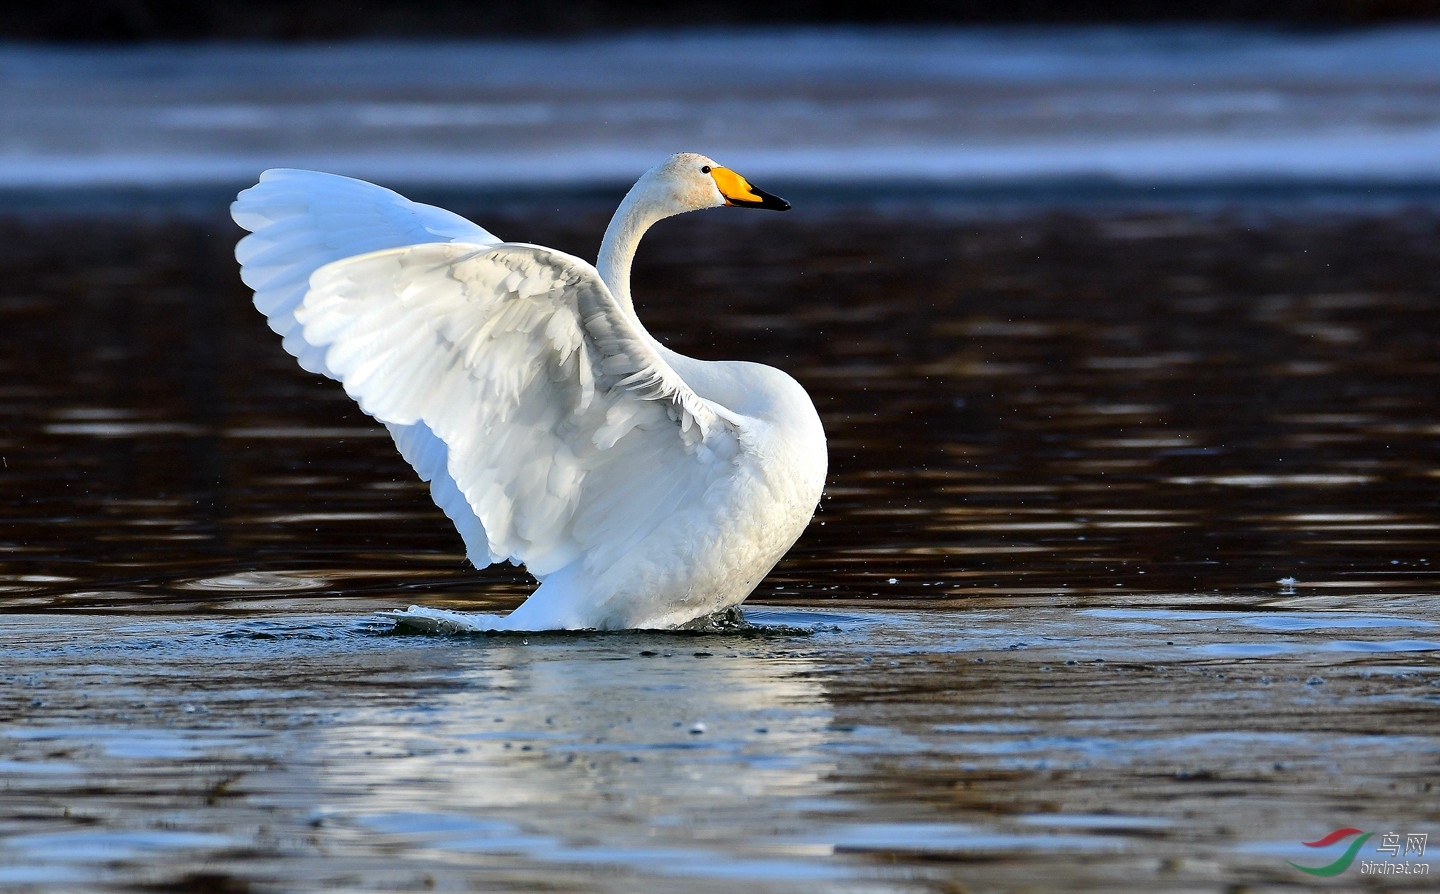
(131,20)
(1122,322)
(511,96)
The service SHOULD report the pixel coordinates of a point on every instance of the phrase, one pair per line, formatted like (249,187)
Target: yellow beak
(738,192)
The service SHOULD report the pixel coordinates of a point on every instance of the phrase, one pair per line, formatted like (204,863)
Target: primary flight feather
(641,487)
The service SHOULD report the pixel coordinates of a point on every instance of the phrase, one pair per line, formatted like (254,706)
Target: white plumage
(642,488)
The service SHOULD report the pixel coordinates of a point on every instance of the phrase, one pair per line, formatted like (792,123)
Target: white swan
(641,487)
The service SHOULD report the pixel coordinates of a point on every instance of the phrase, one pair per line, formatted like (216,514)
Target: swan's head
(690,182)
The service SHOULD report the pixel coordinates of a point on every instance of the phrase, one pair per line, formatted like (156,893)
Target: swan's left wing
(566,432)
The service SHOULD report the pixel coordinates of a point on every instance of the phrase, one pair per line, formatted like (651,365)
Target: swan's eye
(704,169)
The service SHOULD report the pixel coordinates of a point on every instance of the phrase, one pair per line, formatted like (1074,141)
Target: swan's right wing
(299,221)
(567,434)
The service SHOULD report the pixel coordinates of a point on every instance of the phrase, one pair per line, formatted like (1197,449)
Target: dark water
(1074,455)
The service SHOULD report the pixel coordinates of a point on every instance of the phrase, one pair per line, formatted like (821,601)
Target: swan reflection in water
(647,752)
(265,744)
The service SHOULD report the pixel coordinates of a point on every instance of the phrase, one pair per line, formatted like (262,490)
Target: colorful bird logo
(1343,863)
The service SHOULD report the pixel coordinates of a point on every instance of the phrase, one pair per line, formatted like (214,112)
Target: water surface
(1124,578)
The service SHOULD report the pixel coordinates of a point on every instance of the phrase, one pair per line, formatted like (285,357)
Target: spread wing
(299,221)
(567,434)
(303,220)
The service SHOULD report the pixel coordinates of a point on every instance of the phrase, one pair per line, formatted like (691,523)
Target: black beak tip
(768,201)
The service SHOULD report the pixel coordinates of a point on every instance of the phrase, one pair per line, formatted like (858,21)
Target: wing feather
(566,432)
(300,221)
(303,220)
(548,427)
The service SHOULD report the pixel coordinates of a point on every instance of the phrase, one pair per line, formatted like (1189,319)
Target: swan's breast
(782,441)
(780,431)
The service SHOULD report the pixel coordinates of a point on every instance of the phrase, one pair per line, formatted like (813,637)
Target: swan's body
(641,487)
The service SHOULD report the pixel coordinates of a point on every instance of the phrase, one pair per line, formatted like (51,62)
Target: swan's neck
(637,213)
